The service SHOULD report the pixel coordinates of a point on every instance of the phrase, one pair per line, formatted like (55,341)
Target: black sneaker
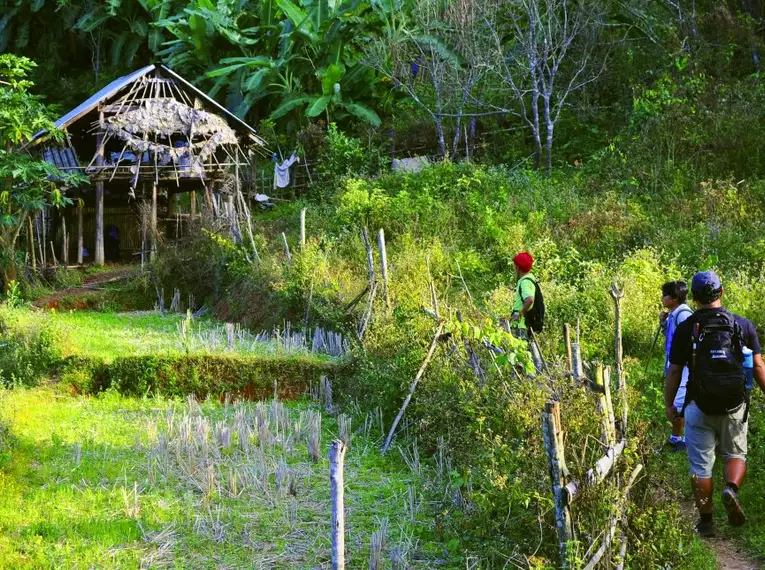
(733,507)
(705,529)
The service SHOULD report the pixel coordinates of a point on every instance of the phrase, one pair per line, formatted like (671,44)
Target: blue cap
(704,279)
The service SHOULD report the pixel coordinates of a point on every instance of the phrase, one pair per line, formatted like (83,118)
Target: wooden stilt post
(193,200)
(553,435)
(64,241)
(80,231)
(153,227)
(336,481)
(383,264)
(99,254)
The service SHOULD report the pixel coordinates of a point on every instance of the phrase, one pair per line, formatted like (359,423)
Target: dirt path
(91,283)
(729,556)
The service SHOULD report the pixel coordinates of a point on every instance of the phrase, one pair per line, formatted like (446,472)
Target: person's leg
(733,447)
(676,440)
(701,438)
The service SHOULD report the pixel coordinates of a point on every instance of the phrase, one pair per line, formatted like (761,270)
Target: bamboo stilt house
(148,138)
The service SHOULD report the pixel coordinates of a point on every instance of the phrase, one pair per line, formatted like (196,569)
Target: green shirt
(526,289)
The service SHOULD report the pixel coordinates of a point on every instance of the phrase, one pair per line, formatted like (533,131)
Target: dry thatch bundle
(143,126)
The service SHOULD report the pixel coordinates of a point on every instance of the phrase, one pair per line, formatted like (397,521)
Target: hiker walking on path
(527,318)
(525,292)
(712,343)
(673,297)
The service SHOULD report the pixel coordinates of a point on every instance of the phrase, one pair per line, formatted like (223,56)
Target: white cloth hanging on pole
(282,171)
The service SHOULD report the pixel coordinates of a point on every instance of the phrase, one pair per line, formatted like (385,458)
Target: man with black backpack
(712,343)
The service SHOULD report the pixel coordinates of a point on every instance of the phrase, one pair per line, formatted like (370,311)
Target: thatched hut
(149,138)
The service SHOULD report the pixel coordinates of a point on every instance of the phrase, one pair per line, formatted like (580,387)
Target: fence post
(616,295)
(384,264)
(569,353)
(336,459)
(302,229)
(553,436)
(604,405)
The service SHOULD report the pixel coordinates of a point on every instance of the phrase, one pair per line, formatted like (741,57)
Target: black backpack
(717,364)
(535,318)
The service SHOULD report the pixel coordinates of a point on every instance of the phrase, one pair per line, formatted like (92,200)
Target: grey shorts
(707,436)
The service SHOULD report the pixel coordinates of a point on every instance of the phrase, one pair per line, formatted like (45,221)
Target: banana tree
(282,58)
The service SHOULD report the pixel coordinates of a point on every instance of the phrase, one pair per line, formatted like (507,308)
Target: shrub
(28,347)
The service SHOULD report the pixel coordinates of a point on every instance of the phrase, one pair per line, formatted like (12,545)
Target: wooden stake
(193,201)
(153,226)
(616,295)
(286,249)
(412,388)
(604,405)
(576,360)
(569,354)
(370,256)
(383,264)
(433,296)
(53,253)
(551,427)
(302,229)
(336,459)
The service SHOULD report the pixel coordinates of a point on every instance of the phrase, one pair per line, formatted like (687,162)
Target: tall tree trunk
(440,135)
(549,142)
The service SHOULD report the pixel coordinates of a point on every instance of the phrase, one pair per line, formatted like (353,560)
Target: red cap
(524,261)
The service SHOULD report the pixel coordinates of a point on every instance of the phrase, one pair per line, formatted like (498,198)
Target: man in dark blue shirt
(714,428)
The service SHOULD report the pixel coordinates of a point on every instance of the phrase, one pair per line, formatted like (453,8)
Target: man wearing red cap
(524,293)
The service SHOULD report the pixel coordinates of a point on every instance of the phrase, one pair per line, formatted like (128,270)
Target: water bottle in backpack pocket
(719,378)
(748,366)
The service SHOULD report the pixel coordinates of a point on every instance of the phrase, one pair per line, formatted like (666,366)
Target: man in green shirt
(524,293)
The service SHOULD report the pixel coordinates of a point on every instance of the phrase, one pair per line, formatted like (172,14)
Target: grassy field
(114,482)
(107,335)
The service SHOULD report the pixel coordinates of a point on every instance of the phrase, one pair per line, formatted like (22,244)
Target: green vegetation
(650,138)
(122,482)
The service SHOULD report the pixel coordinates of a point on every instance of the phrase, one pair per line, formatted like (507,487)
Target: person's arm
(759,372)
(674,377)
(527,302)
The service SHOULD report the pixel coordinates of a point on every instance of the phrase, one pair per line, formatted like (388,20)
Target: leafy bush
(28,347)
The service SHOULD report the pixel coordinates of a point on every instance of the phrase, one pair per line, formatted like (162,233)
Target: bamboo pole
(592,564)
(569,353)
(617,295)
(604,405)
(64,244)
(286,248)
(31,244)
(551,427)
(412,388)
(431,285)
(336,458)
(383,264)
